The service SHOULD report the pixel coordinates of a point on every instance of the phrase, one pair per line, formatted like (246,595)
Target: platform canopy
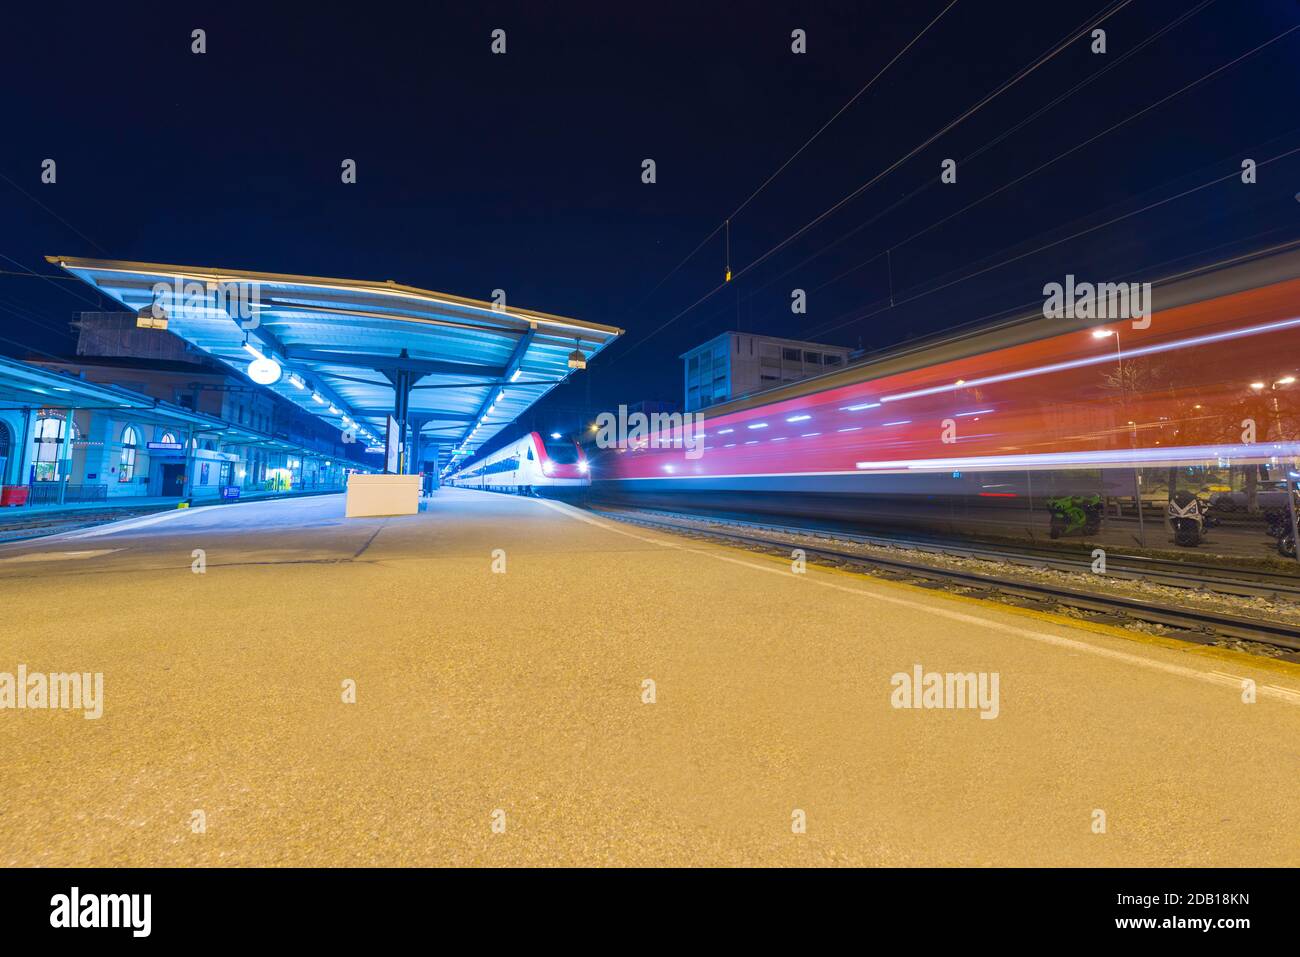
(455,371)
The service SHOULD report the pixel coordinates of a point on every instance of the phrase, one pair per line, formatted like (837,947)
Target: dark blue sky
(523,171)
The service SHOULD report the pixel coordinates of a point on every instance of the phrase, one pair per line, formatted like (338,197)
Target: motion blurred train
(531,465)
(1031,407)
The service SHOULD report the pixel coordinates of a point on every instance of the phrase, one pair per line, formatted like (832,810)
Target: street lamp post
(1137,474)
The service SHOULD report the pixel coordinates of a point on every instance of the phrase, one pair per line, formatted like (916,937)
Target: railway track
(1217,579)
(1198,625)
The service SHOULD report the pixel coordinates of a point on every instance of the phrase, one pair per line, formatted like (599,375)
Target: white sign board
(393,446)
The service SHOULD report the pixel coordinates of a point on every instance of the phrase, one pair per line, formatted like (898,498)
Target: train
(531,465)
(985,423)
(976,428)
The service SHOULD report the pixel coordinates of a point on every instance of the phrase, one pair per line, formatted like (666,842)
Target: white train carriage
(531,465)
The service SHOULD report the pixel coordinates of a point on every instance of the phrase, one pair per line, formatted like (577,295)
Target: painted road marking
(60,556)
(129,524)
(144,521)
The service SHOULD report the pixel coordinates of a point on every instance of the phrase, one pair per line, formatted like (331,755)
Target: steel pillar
(403,377)
(65,455)
(187,490)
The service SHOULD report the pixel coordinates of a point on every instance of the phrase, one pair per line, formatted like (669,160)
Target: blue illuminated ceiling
(476,366)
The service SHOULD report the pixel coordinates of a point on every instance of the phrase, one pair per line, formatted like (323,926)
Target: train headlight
(548,468)
(582,466)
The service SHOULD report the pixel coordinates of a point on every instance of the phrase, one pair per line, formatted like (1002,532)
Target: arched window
(168,437)
(4,449)
(49,441)
(126,464)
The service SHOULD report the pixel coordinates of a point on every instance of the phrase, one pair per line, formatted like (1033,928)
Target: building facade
(736,364)
(102,452)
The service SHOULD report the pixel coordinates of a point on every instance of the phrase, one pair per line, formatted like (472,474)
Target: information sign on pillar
(393,446)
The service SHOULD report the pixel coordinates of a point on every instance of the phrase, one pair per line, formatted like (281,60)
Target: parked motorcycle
(1073,514)
(1186,519)
(1279,527)
(1286,544)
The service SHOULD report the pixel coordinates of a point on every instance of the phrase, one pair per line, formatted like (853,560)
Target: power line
(1110,129)
(35,275)
(1054,243)
(1091,23)
(1034,171)
(851,101)
(54,214)
(970,112)
(25,345)
(1174,181)
(1022,308)
(51,281)
(793,156)
(1110,65)
(30,316)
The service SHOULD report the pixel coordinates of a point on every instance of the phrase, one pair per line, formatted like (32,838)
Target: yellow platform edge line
(1230,655)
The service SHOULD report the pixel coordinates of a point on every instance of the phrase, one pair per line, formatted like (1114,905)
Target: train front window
(561,451)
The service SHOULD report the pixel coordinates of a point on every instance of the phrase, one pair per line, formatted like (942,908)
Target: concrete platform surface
(515,697)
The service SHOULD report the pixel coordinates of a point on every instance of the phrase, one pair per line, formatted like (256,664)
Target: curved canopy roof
(345,345)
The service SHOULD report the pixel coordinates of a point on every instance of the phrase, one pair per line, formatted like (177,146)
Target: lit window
(126,464)
(49,442)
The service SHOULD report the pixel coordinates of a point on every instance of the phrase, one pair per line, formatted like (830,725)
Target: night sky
(523,171)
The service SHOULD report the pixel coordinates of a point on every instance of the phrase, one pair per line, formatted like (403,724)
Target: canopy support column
(402,380)
(65,456)
(187,489)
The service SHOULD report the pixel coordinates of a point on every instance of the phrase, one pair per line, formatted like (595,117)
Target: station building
(138,414)
(112,349)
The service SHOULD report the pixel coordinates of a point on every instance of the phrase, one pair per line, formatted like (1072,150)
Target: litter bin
(13,495)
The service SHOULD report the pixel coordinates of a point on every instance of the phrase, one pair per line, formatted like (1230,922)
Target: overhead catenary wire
(990,144)
(1197,255)
(51,281)
(1109,129)
(1019,179)
(793,156)
(27,314)
(1083,232)
(54,214)
(1042,60)
(1173,182)
(853,99)
(1070,38)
